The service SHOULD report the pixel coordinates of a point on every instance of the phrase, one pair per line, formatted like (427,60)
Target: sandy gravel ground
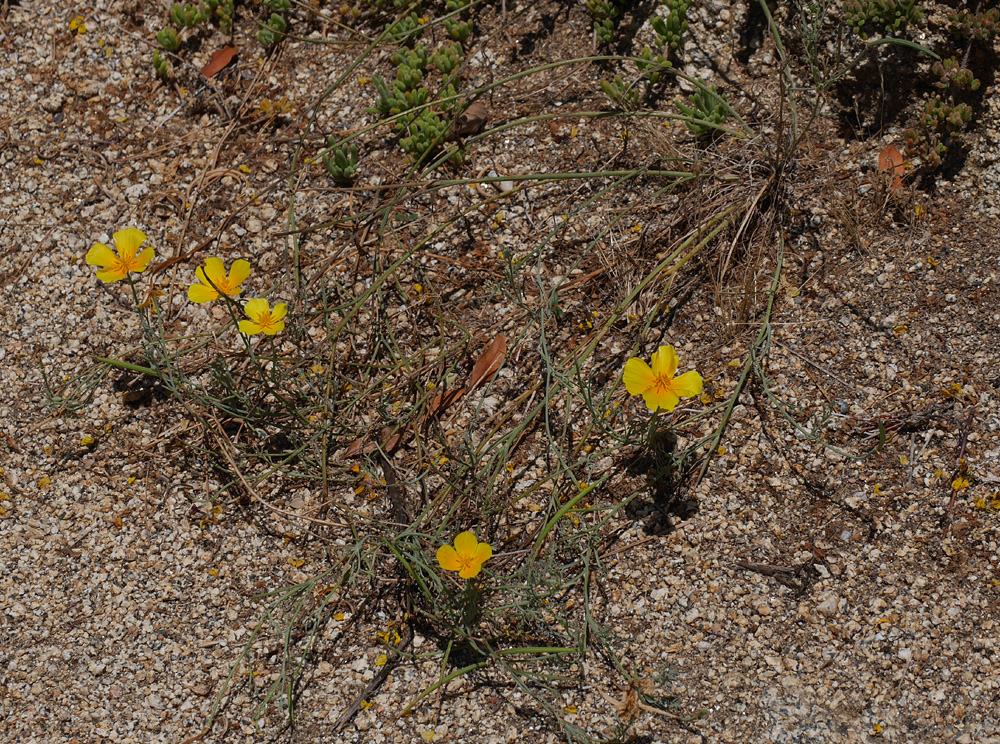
(804,597)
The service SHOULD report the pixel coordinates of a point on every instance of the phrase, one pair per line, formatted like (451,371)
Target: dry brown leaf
(151,297)
(442,401)
(555,128)
(392,439)
(437,406)
(891,162)
(488,364)
(220,59)
(471,120)
(359,445)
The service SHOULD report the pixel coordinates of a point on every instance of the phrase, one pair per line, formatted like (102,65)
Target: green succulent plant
(394,99)
(272,32)
(708,111)
(414,58)
(622,95)
(223,12)
(167,39)
(409,78)
(604,12)
(449,91)
(652,65)
(671,27)
(187,15)
(982,26)
(951,73)
(405,29)
(425,132)
(456,29)
(342,161)
(889,15)
(161,66)
(448,58)
(938,112)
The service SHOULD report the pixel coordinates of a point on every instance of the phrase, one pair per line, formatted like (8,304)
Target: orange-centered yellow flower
(262,318)
(116,267)
(214,280)
(657,384)
(467,557)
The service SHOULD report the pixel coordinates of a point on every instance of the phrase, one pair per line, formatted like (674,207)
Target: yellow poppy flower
(657,385)
(116,267)
(214,273)
(262,318)
(467,557)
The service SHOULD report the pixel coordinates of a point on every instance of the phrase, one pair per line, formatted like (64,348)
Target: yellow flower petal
(687,385)
(215,270)
(114,274)
(199,274)
(471,570)
(101,255)
(255,308)
(140,263)
(199,293)
(665,362)
(274,328)
(279,312)
(657,384)
(213,276)
(467,557)
(117,267)
(238,273)
(249,327)
(263,320)
(128,241)
(660,398)
(483,553)
(466,544)
(448,558)
(638,377)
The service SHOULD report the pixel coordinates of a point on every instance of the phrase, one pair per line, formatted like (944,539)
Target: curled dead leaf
(489,361)
(393,437)
(361,445)
(441,401)
(219,60)
(471,120)
(150,302)
(892,163)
